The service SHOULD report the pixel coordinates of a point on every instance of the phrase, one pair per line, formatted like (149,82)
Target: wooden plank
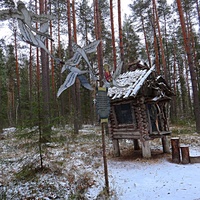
(161,133)
(119,136)
(126,133)
(129,130)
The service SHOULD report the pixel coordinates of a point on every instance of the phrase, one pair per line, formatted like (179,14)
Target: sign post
(103,110)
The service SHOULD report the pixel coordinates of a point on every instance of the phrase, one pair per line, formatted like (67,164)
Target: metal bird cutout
(29,34)
(82,53)
(70,65)
(71,77)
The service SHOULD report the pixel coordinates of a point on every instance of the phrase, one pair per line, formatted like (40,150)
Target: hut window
(124,113)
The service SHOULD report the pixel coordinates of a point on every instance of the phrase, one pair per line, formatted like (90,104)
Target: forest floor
(73,168)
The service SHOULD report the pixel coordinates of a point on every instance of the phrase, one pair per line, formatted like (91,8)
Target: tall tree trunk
(75,115)
(18,106)
(121,45)
(62,98)
(77,86)
(145,39)
(174,102)
(113,35)
(155,43)
(160,40)
(30,80)
(193,74)
(52,60)
(99,37)
(45,81)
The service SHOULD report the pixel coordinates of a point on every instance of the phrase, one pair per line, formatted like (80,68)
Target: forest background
(155,32)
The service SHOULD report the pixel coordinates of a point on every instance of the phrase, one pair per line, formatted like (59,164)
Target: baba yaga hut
(139,108)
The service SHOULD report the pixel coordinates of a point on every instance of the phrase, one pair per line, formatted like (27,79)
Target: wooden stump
(136,144)
(194,159)
(146,151)
(175,150)
(116,149)
(185,154)
(165,144)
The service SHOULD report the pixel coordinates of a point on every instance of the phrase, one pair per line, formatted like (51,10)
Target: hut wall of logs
(139,111)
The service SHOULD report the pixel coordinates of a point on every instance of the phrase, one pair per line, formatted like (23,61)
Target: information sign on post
(103,104)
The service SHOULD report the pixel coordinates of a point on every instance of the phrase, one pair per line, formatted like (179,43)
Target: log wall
(123,131)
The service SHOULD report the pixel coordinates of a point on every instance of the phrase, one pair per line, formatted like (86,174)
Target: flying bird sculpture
(80,53)
(74,72)
(71,77)
(29,33)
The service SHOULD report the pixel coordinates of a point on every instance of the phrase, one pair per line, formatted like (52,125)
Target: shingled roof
(129,83)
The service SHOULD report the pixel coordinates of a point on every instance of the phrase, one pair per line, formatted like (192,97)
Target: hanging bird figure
(82,53)
(74,72)
(30,34)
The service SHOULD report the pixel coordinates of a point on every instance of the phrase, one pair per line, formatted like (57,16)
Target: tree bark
(113,35)
(145,39)
(77,83)
(18,108)
(75,115)
(99,37)
(45,81)
(121,45)
(161,42)
(187,42)
(155,43)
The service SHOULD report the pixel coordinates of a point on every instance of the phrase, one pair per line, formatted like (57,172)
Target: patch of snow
(9,130)
(79,163)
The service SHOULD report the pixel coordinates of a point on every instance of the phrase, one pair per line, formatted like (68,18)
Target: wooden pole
(105,159)
(175,150)
(185,154)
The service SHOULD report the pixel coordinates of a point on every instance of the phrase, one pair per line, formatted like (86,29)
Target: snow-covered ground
(74,170)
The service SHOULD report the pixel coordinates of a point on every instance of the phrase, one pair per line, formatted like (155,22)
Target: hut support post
(136,144)
(146,151)
(165,144)
(116,149)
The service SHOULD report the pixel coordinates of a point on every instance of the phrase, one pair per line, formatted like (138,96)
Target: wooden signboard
(102,104)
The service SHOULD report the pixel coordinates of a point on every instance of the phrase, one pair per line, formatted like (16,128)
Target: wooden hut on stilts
(139,109)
